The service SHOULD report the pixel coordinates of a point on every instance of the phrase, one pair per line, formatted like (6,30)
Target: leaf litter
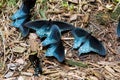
(97,16)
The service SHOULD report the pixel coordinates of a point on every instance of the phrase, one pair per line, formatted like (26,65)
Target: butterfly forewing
(63,25)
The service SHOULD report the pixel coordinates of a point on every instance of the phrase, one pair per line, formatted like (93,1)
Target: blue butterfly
(54,42)
(53,37)
(86,43)
(24,9)
(42,27)
(118,29)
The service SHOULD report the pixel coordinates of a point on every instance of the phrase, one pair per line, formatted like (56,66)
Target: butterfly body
(86,43)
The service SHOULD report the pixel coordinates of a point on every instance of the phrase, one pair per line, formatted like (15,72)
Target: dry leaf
(34,45)
(9,74)
(19,49)
(86,18)
(73,17)
(73,1)
(108,68)
(11,66)
(20,61)
(92,78)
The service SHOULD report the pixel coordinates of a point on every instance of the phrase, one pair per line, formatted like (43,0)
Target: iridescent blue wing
(53,37)
(80,37)
(64,26)
(40,26)
(24,31)
(118,29)
(17,23)
(24,9)
(92,45)
(19,14)
(56,50)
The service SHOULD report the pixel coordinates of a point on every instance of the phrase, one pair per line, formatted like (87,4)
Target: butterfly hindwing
(53,37)
(118,29)
(79,35)
(56,50)
(92,45)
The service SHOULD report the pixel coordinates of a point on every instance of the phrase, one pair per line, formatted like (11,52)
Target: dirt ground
(97,16)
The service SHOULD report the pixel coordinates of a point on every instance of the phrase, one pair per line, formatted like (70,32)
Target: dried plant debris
(101,17)
(118,28)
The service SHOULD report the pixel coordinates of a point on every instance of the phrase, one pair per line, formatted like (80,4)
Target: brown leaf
(19,49)
(73,17)
(73,1)
(34,45)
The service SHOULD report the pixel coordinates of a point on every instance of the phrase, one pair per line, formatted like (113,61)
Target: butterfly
(54,43)
(118,29)
(36,64)
(86,43)
(42,27)
(24,10)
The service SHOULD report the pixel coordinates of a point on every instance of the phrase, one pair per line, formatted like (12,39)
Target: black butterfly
(54,42)
(43,27)
(36,64)
(87,43)
(118,29)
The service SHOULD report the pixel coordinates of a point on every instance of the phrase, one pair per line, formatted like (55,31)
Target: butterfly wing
(19,14)
(92,45)
(56,50)
(53,37)
(118,29)
(59,52)
(63,25)
(24,9)
(17,23)
(80,36)
(37,24)
(24,31)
